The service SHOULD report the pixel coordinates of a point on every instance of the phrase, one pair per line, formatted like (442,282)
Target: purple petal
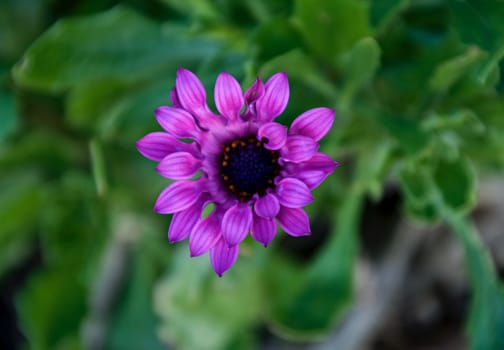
(276,135)
(314,123)
(174,98)
(157,145)
(254,92)
(312,178)
(190,91)
(183,222)
(313,171)
(222,256)
(299,148)
(267,206)
(293,193)
(236,223)
(204,235)
(251,96)
(228,96)
(275,98)
(178,196)
(263,230)
(178,166)
(320,161)
(177,122)
(294,221)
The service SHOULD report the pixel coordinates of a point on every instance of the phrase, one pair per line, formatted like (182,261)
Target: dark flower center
(247,167)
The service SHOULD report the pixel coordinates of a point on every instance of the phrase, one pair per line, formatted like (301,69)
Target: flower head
(254,171)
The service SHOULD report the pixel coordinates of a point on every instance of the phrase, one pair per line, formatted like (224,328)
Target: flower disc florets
(248,168)
(254,171)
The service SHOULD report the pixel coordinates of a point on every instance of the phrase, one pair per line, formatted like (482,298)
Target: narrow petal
(204,235)
(320,161)
(174,98)
(178,196)
(254,92)
(263,229)
(275,134)
(183,222)
(222,256)
(190,91)
(293,193)
(275,98)
(251,96)
(313,171)
(157,145)
(294,221)
(236,223)
(179,166)
(299,148)
(177,122)
(314,123)
(312,178)
(267,206)
(228,96)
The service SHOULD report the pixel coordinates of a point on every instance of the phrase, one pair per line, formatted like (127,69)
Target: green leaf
(416,186)
(118,44)
(456,182)
(74,220)
(453,179)
(21,204)
(114,110)
(331,27)
(21,198)
(480,22)
(19,25)
(39,149)
(462,119)
(133,324)
(305,78)
(200,9)
(51,307)
(362,61)
(451,71)
(8,115)
(198,310)
(486,315)
(325,289)
(382,11)
(275,37)
(407,132)
(359,66)
(88,104)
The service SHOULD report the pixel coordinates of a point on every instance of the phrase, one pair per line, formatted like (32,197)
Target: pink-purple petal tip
(222,257)
(190,91)
(178,166)
(299,148)
(293,193)
(275,98)
(204,235)
(263,230)
(178,196)
(314,123)
(294,221)
(236,223)
(228,96)
(274,134)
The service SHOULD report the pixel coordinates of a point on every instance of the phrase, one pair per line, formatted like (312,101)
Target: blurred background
(407,249)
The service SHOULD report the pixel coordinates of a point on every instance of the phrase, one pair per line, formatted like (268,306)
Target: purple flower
(254,171)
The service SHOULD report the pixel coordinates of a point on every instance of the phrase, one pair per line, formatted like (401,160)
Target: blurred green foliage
(418,90)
